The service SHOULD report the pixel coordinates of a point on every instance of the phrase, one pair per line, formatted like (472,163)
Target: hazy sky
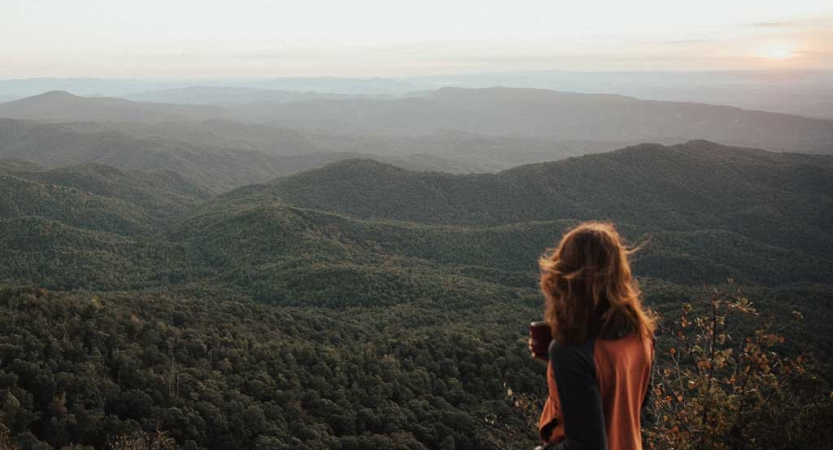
(259,38)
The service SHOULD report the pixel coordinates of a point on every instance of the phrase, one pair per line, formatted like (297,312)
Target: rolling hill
(706,209)
(219,154)
(212,165)
(724,207)
(58,145)
(96,197)
(698,185)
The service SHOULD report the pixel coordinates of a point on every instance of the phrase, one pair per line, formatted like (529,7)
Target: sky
(390,38)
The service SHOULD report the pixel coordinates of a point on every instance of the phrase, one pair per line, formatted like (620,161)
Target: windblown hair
(589,289)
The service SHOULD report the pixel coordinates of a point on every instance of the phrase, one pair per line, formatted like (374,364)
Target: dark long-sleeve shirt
(597,391)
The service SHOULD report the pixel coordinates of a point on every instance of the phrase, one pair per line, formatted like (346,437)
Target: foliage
(222,374)
(143,441)
(6,442)
(729,382)
(96,197)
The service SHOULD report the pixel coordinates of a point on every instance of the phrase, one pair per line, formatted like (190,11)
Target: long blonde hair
(589,288)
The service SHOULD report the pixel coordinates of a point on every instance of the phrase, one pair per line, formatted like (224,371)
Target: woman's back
(603,379)
(623,371)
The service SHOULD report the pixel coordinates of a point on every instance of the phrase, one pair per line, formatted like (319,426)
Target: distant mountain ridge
(559,115)
(493,112)
(206,95)
(802,92)
(61,106)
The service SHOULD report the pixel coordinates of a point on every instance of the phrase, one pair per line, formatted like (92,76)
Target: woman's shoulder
(636,346)
(593,351)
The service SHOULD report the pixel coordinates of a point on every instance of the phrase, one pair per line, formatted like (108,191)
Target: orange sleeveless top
(607,377)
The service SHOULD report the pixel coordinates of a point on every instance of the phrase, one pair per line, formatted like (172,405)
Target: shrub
(144,441)
(725,383)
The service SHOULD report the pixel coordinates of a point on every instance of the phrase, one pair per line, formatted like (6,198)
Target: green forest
(363,306)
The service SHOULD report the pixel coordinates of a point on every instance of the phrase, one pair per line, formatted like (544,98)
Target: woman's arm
(647,412)
(578,393)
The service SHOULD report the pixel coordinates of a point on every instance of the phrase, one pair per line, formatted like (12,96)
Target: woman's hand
(532,351)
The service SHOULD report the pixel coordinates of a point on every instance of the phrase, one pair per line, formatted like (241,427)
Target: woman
(601,357)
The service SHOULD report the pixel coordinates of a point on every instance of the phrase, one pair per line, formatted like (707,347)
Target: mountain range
(220,154)
(801,92)
(702,212)
(493,112)
(726,208)
(557,115)
(360,272)
(335,299)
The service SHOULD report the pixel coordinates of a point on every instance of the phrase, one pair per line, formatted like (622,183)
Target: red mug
(541,335)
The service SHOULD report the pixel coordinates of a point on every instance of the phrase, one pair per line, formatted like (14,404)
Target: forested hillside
(360,305)
(96,196)
(695,186)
